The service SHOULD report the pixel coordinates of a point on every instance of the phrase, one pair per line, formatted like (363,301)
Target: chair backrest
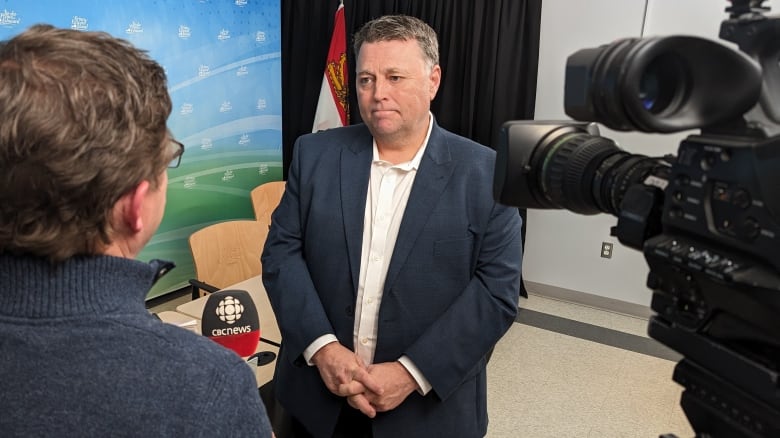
(228,252)
(265,198)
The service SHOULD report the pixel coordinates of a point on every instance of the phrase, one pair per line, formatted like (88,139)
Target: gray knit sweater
(81,356)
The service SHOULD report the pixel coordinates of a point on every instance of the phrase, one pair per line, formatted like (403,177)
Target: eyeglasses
(177,153)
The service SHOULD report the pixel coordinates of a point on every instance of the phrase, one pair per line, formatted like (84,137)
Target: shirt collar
(414,163)
(33,287)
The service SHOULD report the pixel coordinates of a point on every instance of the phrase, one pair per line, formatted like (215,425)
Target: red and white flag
(333,108)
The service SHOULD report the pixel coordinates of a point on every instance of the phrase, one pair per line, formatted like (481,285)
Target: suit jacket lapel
(355,172)
(435,171)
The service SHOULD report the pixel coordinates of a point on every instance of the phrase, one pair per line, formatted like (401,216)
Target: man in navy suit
(391,269)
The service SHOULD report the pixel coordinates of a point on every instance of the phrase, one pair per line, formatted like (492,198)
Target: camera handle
(739,8)
(758,36)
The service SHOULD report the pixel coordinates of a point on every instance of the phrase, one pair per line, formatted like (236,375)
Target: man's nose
(380,89)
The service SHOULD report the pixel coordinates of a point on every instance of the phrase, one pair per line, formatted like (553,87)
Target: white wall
(563,249)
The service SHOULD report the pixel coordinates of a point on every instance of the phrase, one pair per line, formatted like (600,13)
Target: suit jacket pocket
(453,247)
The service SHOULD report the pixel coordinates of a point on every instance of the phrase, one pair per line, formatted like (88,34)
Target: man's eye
(395,78)
(364,81)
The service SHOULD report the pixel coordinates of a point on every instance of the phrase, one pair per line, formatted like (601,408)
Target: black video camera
(707,220)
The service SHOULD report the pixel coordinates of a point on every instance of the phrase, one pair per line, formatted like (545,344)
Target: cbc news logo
(230,309)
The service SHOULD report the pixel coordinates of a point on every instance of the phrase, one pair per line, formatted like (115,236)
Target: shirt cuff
(315,346)
(424,386)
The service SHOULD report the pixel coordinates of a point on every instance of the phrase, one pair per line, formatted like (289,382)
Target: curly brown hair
(82,122)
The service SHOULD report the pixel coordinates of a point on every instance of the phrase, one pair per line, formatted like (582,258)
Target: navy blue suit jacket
(451,290)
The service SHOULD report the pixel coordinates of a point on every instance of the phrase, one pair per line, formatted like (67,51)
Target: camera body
(707,220)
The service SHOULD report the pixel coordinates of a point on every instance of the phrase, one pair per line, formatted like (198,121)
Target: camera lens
(589,174)
(648,91)
(564,166)
(663,84)
(569,166)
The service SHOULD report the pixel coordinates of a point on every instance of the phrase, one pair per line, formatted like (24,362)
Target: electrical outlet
(606,250)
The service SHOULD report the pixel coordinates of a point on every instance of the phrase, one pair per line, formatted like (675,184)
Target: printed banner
(223,61)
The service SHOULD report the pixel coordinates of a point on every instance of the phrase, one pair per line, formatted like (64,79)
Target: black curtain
(489,53)
(489,56)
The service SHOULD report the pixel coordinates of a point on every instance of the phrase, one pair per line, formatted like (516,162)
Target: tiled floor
(542,383)
(567,370)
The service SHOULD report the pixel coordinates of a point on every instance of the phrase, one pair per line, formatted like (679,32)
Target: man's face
(395,88)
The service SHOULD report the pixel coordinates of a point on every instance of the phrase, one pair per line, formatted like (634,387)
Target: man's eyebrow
(394,70)
(390,70)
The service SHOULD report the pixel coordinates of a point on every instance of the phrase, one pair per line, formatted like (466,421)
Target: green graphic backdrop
(223,61)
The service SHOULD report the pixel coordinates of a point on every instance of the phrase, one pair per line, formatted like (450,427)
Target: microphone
(230,319)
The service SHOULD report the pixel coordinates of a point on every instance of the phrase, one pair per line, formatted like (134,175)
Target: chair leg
(201,289)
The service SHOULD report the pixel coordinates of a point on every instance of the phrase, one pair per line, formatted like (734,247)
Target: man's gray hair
(400,27)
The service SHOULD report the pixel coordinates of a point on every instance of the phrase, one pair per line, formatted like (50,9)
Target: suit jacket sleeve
(286,277)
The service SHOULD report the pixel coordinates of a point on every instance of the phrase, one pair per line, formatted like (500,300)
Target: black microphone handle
(275,344)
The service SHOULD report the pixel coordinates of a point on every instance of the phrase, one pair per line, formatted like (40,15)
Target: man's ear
(132,213)
(435,79)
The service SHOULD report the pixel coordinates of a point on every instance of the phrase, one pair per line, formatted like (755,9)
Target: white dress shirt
(388,192)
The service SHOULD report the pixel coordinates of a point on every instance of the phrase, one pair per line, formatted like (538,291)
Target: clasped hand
(370,389)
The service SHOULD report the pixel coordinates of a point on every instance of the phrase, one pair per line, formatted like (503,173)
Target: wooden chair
(265,198)
(226,253)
